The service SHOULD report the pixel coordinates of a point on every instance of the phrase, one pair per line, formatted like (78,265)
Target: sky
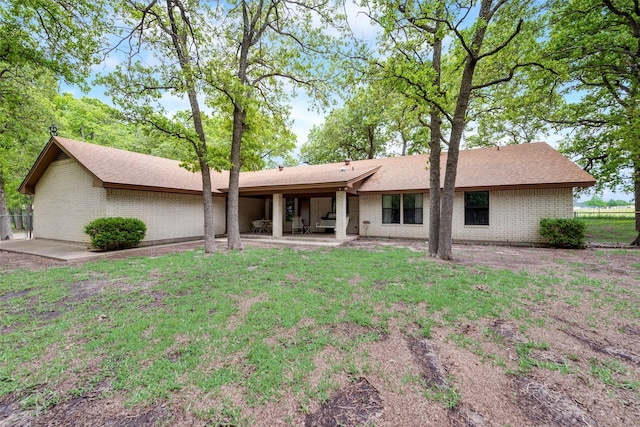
(303,116)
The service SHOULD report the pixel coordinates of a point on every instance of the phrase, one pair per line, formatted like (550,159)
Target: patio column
(341,214)
(278,211)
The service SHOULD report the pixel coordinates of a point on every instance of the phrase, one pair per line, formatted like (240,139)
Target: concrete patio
(72,252)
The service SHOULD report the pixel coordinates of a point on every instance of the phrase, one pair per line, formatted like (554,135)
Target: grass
(256,319)
(610,229)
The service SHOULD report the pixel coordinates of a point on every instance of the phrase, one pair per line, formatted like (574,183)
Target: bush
(115,233)
(563,233)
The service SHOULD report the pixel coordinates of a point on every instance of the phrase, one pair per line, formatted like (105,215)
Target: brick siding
(514,216)
(65,201)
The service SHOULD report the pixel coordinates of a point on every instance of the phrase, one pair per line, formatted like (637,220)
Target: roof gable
(115,168)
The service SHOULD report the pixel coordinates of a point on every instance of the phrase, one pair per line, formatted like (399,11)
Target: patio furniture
(327,222)
(297,226)
(257,226)
(329,225)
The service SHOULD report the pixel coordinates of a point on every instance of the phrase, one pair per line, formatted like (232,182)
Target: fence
(27,223)
(603,213)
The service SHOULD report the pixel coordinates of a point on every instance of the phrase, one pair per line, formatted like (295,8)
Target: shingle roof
(318,176)
(120,168)
(525,165)
(515,166)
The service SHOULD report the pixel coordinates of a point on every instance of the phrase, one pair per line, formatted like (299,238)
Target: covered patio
(317,203)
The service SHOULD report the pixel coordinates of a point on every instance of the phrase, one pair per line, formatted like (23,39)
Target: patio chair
(297,226)
(257,226)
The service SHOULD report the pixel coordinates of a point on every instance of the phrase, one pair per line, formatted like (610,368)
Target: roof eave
(45,158)
(135,187)
(576,184)
(345,185)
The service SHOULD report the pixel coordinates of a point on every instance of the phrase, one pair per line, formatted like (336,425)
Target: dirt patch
(10,295)
(463,416)
(545,406)
(351,331)
(11,261)
(427,358)
(358,404)
(608,350)
(469,374)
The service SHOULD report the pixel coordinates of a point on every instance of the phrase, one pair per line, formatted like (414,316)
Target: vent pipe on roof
(347,161)
(280,168)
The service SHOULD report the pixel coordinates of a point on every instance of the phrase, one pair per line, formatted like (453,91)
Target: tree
(356,131)
(91,120)
(368,125)
(26,112)
(262,46)
(236,55)
(596,202)
(485,51)
(173,32)
(38,39)
(596,45)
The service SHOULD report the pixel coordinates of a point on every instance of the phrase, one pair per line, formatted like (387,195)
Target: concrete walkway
(71,252)
(48,249)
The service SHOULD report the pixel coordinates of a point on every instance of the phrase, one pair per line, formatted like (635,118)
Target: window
(412,208)
(476,208)
(289,209)
(391,209)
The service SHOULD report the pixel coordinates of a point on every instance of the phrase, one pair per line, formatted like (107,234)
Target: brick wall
(371,210)
(514,216)
(168,216)
(65,201)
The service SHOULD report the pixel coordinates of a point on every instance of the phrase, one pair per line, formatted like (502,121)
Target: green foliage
(594,48)
(51,35)
(563,233)
(596,201)
(372,123)
(607,229)
(115,232)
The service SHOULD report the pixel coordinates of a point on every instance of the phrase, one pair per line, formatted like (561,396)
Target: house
(501,194)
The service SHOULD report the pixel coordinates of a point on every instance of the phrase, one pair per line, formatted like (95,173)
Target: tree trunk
(371,135)
(457,128)
(207,199)
(434,184)
(29,220)
(233,227)
(17,215)
(201,151)
(404,144)
(434,151)
(239,117)
(201,146)
(5,224)
(636,188)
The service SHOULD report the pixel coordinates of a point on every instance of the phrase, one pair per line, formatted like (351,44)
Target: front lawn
(265,336)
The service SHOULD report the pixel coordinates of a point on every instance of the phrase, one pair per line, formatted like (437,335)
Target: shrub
(115,233)
(563,233)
